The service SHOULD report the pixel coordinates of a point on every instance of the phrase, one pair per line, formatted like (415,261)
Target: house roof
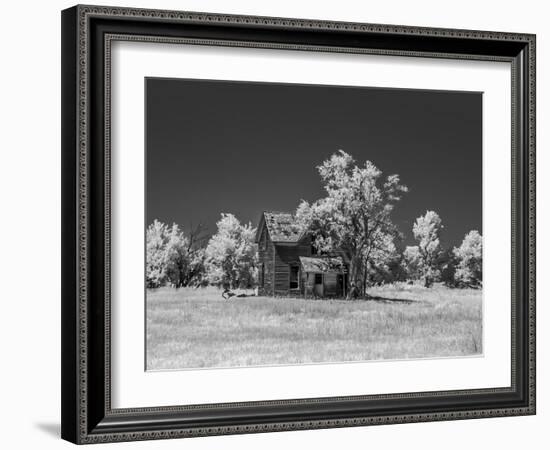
(282,227)
(322,264)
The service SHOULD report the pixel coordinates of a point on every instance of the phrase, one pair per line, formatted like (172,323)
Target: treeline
(226,259)
(229,258)
(353,220)
(428,262)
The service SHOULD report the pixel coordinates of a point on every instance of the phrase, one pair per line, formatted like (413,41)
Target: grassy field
(192,328)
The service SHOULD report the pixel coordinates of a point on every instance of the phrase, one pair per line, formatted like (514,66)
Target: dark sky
(239,147)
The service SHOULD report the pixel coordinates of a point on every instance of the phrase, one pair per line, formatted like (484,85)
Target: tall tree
(379,266)
(230,257)
(469,255)
(173,258)
(353,220)
(197,239)
(412,262)
(427,231)
(155,271)
(176,256)
(448,263)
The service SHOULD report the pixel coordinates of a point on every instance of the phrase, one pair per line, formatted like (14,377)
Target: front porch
(323,277)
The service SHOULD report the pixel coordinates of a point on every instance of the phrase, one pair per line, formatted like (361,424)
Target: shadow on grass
(396,301)
(372,298)
(231,296)
(369,298)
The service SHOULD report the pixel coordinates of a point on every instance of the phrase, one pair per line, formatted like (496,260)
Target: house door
(318,286)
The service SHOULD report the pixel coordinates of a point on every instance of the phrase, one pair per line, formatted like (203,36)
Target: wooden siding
(308,284)
(277,260)
(329,281)
(285,256)
(330,288)
(266,252)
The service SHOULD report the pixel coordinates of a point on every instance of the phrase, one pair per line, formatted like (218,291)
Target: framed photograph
(278,224)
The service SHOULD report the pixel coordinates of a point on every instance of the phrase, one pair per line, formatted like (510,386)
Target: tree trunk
(428,281)
(354,283)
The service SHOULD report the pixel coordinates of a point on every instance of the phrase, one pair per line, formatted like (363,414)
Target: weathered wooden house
(289,265)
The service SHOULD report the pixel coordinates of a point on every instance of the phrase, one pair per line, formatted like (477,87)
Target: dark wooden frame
(87,416)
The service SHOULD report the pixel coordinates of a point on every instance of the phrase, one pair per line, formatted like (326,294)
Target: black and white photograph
(275,225)
(276,222)
(290,224)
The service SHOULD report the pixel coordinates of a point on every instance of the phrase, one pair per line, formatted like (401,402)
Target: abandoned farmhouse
(289,265)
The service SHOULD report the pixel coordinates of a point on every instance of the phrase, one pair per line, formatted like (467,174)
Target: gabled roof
(282,227)
(322,264)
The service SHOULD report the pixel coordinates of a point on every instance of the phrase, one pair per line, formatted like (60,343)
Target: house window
(318,278)
(294,275)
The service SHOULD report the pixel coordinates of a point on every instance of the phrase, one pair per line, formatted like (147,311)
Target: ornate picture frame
(88,33)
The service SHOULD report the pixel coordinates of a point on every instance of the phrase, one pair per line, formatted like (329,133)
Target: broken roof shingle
(282,227)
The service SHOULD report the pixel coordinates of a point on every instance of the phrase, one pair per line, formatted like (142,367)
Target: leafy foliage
(353,220)
(447,262)
(176,256)
(171,257)
(230,257)
(412,262)
(383,263)
(427,231)
(469,256)
(155,254)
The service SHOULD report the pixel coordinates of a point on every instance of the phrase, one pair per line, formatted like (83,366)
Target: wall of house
(331,286)
(307,283)
(266,252)
(282,274)
(285,256)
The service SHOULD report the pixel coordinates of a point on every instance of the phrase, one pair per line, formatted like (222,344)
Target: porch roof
(322,265)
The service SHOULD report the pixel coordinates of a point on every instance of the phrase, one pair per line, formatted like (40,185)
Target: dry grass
(192,328)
